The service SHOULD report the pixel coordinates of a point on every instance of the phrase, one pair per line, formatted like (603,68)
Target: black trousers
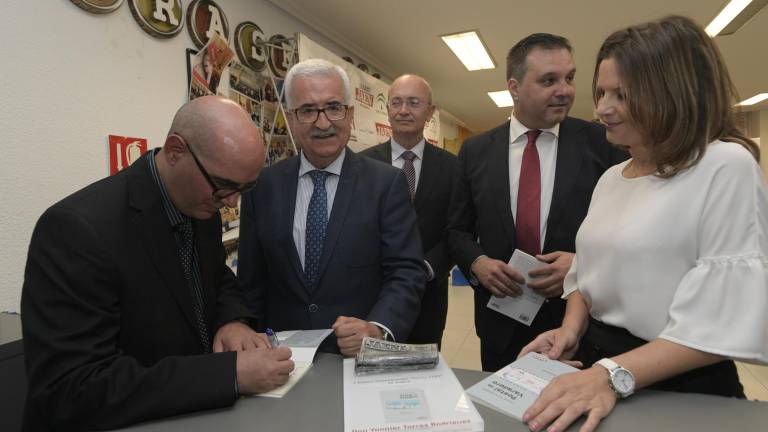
(603,340)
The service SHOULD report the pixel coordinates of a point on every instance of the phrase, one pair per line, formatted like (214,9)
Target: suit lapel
(383,152)
(152,227)
(341,204)
(570,155)
(499,175)
(289,181)
(430,174)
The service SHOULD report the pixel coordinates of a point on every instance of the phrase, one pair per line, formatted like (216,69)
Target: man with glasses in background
(128,310)
(338,246)
(429,171)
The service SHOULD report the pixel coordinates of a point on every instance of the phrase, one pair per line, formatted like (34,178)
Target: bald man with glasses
(128,310)
(429,171)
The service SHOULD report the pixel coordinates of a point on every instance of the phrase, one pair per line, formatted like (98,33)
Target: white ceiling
(402,36)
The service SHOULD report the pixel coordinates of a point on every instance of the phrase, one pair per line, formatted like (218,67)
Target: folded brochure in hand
(524,307)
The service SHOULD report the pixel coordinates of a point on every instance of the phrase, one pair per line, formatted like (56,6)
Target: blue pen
(272,337)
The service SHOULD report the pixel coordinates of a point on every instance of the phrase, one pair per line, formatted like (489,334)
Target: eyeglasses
(412,102)
(219,192)
(333,112)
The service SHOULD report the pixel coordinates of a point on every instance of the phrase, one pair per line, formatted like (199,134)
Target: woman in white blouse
(669,282)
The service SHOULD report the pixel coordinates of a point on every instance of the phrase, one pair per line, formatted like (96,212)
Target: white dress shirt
(304,193)
(398,161)
(682,259)
(546,145)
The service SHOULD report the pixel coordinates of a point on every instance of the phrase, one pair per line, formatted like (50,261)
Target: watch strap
(608,364)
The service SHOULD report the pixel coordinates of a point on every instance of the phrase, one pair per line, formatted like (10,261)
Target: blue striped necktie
(317,222)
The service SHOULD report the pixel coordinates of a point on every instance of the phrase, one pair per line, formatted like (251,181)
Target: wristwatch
(621,380)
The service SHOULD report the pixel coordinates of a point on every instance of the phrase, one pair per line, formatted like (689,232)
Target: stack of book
(411,400)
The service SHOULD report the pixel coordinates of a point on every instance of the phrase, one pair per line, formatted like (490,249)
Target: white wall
(69,79)
(448,128)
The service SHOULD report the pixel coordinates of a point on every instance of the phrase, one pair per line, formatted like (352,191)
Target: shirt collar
(334,168)
(175,217)
(397,149)
(516,129)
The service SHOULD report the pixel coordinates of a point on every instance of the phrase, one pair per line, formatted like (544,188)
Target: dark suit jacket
(433,195)
(109,329)
(372,263)
(481,208)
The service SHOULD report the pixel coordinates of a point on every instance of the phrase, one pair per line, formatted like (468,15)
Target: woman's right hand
(558,344)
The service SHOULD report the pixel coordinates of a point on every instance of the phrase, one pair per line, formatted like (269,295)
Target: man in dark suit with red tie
(526,185)
(429,171)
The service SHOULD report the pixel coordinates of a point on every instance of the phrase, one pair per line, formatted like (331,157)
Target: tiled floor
(461,347)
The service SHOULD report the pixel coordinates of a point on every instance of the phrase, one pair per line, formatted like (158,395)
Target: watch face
(623,381)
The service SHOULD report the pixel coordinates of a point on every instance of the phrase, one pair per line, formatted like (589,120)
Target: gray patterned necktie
(409,170)
(186,251)
(317,222)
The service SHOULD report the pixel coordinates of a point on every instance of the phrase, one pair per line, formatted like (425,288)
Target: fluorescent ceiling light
(470,50)
(734,15)
(754,99)
(502,98)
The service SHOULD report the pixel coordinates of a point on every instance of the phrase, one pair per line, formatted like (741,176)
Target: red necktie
(527,228)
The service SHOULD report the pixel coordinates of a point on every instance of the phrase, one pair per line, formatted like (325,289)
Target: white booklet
(515,387)
(303,345)
(524,307)
(421,400)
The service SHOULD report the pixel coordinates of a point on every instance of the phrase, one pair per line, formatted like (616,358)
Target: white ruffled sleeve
(721,304)
(570,282)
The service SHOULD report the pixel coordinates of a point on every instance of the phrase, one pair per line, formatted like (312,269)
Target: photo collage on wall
(215,70)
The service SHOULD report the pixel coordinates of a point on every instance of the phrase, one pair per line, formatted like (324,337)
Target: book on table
(412,400)
(515,387)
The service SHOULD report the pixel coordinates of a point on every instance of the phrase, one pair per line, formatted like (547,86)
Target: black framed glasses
(220,191)
(333,112)
(411,102)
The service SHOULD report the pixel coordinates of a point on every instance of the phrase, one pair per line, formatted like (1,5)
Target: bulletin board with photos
(216,70)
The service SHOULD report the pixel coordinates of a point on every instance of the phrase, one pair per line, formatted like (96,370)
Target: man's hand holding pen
(261,365)
(272,337)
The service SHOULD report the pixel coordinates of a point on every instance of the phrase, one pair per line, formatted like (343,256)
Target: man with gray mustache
(338,245)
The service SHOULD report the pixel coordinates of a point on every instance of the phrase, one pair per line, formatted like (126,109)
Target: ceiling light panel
(754,99)
(470,50)
(502,98)
(733,16)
